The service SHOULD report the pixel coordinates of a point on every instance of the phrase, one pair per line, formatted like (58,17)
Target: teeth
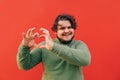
(66,35)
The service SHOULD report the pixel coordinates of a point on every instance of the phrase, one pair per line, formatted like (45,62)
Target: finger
(31,31)
(27,33)
(42,35)
(35,35)
(24,35)
(45,31)
(36,45)
(42,46)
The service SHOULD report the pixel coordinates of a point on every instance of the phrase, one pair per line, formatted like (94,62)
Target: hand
(49,42)
(28,38)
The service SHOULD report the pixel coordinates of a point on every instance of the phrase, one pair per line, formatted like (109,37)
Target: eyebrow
(59,25)
(62,26)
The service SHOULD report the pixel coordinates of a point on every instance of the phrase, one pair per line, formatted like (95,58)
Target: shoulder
(79,43)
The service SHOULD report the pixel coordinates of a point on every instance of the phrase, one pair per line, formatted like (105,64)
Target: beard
(63,41)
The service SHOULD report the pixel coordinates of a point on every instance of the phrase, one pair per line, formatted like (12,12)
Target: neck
(63,41)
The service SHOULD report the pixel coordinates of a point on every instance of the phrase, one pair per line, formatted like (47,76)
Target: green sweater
(63,62)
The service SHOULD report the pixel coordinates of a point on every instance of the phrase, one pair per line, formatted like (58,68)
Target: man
(62,57)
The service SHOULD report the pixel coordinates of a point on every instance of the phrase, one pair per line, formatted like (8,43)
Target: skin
(64,32)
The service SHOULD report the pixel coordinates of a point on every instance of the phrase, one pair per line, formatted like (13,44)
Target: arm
(26,59)
(78,56)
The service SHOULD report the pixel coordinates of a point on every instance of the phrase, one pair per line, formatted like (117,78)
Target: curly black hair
(64,17)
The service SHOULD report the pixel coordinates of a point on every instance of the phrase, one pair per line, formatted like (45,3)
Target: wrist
(51,45)
(25,43)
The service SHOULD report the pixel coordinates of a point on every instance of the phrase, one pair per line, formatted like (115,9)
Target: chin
(65,41)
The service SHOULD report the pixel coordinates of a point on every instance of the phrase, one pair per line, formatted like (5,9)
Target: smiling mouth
(64,41)
(66,34)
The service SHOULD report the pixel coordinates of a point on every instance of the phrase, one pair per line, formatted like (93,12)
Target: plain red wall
(98,26)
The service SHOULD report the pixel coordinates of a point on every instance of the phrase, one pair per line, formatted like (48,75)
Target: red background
(98,26)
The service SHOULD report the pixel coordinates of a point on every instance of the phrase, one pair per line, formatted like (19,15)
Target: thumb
(36,45)
(42,46)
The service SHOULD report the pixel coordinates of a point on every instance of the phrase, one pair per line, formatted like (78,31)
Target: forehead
(64,23)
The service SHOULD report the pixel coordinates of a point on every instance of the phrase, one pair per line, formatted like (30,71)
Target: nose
(66,30)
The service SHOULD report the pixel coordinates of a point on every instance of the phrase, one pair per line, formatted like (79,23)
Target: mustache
(66,33)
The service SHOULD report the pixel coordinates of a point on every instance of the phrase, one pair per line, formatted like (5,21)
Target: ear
(55,32)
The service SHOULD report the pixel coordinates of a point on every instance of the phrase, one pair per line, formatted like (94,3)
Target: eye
(61,28)
(69,27)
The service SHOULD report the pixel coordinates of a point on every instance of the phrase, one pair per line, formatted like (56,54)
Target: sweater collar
(57,41)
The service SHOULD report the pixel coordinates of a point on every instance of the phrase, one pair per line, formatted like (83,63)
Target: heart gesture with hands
(29,38)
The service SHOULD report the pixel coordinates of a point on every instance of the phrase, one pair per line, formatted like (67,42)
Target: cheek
(59,32)
(72,31)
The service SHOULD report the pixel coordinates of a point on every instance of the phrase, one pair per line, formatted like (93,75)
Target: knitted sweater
(63,62)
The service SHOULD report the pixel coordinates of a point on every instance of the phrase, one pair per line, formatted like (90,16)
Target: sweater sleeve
(27,59)
(79,55)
